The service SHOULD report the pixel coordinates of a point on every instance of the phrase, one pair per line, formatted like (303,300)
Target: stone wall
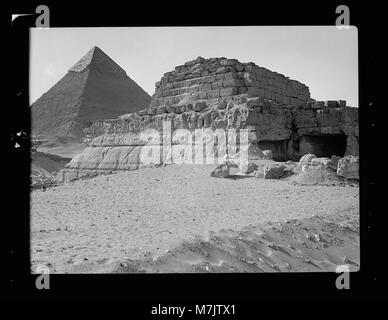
(287,127)
(213,78)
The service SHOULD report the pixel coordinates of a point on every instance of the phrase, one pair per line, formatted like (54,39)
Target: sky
(324,58)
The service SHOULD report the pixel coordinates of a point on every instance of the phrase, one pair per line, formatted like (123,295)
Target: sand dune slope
(134,218)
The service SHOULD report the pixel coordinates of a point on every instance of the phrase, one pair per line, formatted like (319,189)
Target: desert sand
(66,147)
(179,219)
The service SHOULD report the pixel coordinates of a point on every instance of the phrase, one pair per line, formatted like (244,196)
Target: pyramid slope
(94,88)
(53,113)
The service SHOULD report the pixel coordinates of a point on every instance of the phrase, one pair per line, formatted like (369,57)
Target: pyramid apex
(96,48)
(96,56)
(95,88)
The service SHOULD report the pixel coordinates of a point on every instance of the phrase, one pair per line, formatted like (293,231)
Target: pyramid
(95,88)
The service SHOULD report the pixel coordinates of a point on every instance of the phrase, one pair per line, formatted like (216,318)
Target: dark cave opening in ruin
(324,145)
(278,148)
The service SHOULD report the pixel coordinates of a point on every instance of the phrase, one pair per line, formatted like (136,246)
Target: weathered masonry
(224,93)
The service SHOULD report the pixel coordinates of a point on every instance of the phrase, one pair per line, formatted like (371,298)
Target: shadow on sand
(237,177)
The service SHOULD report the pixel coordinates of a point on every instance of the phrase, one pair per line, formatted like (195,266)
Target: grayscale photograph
(194,149)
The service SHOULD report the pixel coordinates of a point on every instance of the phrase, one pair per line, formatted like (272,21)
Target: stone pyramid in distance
(95,88)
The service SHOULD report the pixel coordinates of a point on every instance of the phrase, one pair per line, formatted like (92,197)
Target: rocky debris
(317,172)
(255,153)
(348,167)
(94,88)
(220,104)
(311,160)
(259,173)
(40,180)
(324,161)
(229,105)
(274,171)
(307,158)
(269,169)
(330,163)
(268,154)
(222,171)
(333,164)
(316,175)
(199,106)
(248,169)
(323,171)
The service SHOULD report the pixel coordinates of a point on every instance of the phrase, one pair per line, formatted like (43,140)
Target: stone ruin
(220,77)
(221,93)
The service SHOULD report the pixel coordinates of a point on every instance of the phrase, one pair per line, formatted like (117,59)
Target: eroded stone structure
(208,94)
(220,77)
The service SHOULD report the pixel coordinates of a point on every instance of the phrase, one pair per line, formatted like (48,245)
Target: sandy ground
(67,147)
(319,243)
(144,220)
(44,167)
(47,163)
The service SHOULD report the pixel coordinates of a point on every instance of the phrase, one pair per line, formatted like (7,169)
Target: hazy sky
(323,58)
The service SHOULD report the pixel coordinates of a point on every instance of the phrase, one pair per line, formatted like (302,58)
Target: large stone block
(232,83)
(221,70)
(216,85)
(231,75)
(193,89)
(242,90)
(274,171)
(211,79)
(213,94)
(342,103)
(348,167)
(224,92)
(255,92)
(331,104)
(202,95)
(205,87)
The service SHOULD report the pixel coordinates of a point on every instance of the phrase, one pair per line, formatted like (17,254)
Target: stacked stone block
(205,79)
(327,104)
